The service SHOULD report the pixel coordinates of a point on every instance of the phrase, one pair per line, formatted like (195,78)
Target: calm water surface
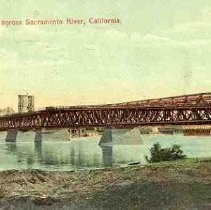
(54,153)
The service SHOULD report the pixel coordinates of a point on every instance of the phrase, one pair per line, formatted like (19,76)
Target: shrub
(165,154)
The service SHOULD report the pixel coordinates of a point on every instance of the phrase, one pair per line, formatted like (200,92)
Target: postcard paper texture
(116,91)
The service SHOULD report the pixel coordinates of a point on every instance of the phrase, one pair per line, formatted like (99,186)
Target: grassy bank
(184,184)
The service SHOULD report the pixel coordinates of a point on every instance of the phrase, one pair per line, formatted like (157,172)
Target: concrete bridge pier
(11,135)
(106,137)
(112,136)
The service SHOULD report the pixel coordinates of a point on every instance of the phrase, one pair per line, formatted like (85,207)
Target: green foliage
(165,154)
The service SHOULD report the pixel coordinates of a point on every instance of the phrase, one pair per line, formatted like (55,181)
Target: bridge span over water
(194,109)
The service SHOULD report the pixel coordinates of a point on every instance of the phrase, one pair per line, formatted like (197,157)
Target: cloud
(117,35)
(155,38)
(191,27)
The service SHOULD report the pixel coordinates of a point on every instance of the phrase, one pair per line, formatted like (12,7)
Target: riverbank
(171,185)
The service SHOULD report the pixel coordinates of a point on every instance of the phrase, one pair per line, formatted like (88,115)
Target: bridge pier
(106,137)
(11,135)
(113,136)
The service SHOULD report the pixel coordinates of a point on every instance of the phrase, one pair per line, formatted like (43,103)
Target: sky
(161,48)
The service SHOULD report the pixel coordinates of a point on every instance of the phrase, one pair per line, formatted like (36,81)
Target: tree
(165,154)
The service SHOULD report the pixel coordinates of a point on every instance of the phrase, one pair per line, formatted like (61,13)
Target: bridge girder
(108,117)
(194,109)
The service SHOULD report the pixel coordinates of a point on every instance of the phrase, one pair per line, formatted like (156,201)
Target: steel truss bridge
(194,109)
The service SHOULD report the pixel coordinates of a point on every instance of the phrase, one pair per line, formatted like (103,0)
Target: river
(55,153)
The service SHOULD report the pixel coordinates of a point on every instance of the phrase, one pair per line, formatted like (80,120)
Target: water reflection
(30,160)
(11,147)
(107,153)
(38,136)
(38,148)
(85,153)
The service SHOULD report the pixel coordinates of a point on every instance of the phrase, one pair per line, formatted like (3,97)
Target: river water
(56,153)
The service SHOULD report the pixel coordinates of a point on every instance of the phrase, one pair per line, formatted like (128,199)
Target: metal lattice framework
(181,110)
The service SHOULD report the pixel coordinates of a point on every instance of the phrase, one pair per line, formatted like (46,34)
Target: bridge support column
(121,136)
(106,137)
(38,136)
(11,135)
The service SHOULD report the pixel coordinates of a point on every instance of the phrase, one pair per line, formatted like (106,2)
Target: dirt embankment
(178,185)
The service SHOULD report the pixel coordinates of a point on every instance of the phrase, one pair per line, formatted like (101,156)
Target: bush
(165,154)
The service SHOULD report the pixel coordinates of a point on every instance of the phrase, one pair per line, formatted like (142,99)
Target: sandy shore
(171,185)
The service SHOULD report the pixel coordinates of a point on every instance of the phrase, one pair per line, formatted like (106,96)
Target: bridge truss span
(107,117)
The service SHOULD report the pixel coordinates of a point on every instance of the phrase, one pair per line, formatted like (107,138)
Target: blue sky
(162,48)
